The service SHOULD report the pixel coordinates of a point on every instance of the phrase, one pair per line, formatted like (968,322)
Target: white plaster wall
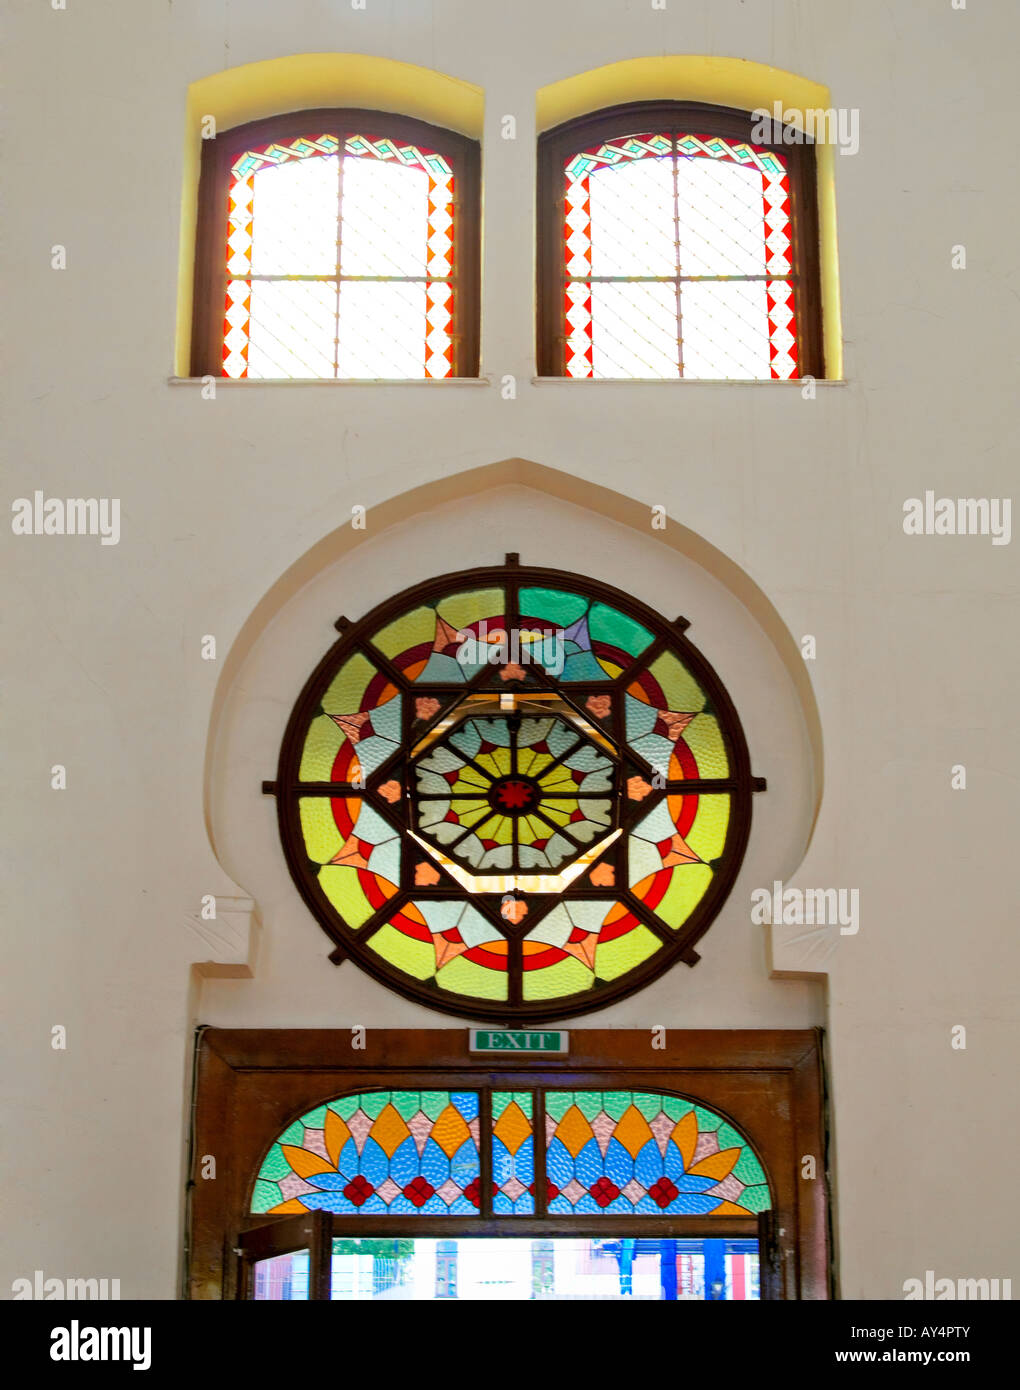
(916,665)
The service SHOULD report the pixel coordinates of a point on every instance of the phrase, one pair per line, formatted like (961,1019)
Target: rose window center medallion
(511,797)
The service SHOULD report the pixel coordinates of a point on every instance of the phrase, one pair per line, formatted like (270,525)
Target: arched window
(676,241)
(337,244)
(514,793)
(420,1153)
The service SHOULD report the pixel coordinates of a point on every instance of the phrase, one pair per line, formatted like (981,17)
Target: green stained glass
(320,750)
(553,606)
(616,958)
(346,691)
(275,1165)
(414,958)
(413,1153)
(467,977)
(707,835)
(562,977)
(477,605)
(704,738)
(609,625)
(433,1103)
(614,1103)
(345,1106)
(407,632)
(345,890)
(266,1194)
(680,691)
(756,1199)
(321,836)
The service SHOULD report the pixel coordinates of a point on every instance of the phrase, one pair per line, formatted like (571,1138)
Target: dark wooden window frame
(556,146)
(218,155)
(679,945)
(251,1084)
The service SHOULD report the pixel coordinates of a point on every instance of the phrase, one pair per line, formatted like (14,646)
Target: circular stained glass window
(514,794)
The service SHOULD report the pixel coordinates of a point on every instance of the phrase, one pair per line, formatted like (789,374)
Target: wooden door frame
(310,1231)
(251,1083)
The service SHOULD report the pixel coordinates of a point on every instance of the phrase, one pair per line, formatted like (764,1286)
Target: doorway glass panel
(281,1278)
(559,1269)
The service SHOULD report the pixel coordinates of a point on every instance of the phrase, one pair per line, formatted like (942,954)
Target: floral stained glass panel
(377,1153)
(639,1153)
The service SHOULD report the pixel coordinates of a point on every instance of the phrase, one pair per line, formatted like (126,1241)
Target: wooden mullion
(538,1147)
(485,1153)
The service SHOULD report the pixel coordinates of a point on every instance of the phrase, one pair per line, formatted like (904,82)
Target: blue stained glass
(582,666)
(648,1166)
(619,1166)
(466,1102)
(405,1164)
(558,1164)
(640,718)
(513,1154)
(655,750)
(386,719)
(412,1152)
(445,669)
(373,752)
(464,1165)
(374,1166)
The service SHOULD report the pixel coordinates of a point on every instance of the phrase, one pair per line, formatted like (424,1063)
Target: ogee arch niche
(350,574)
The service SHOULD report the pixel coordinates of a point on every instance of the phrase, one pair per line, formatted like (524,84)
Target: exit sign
(517,1040)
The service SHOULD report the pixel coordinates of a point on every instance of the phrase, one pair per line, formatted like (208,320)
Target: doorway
(412,1169)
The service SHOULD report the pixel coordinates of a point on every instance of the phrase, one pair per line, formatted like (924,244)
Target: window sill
(766,382)
(252,382)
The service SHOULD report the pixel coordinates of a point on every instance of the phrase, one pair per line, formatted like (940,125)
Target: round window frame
(679,945)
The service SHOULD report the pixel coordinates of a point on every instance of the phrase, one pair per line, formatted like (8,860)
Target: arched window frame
(556,146)
(250,1084)
(218,155)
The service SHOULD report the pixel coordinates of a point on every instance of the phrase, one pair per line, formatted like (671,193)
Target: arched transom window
(337,244)
(558,1152)
(674,243)
(514,793)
